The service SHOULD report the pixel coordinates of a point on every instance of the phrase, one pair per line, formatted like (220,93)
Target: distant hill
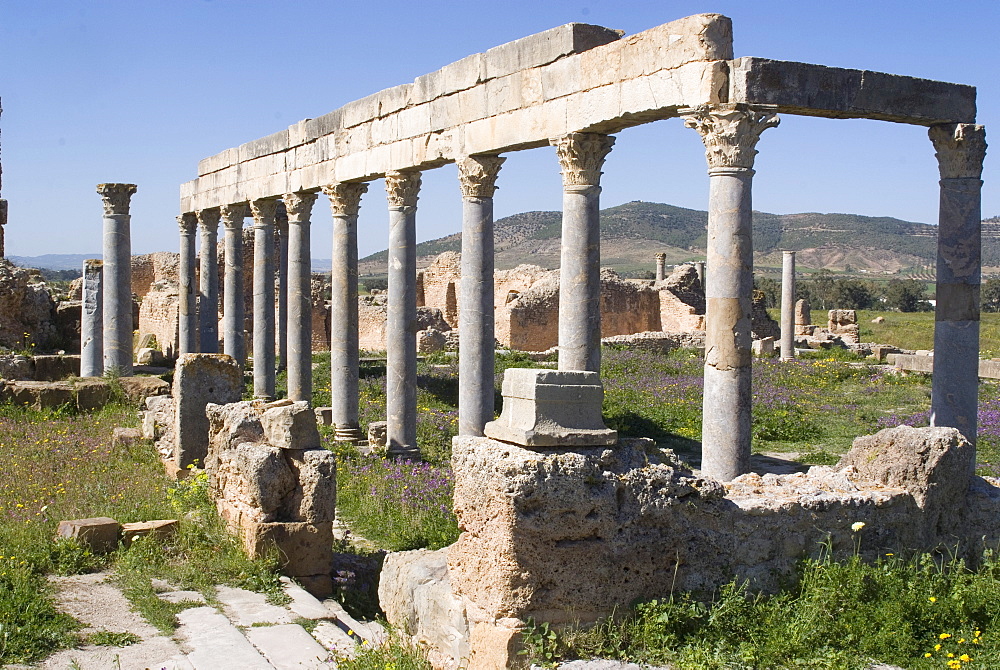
(633,232)
(53,261)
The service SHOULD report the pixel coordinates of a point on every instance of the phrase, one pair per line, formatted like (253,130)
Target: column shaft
(234,309)
(187,309)
(118,354)
(661,269)
(92,320)
(208,282)
(263,298)
(299,206)
(281,329)
(788,305)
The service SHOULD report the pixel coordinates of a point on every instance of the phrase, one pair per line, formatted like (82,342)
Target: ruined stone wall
(438,286)
(27,311)
(159,316)
(148,269)
(320,311)
(372,321)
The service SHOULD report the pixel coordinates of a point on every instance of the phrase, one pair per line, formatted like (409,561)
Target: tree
(990,294)
(770,288)
(906,295)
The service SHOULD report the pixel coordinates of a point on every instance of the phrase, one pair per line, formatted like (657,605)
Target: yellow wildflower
(944,636)
(933,599)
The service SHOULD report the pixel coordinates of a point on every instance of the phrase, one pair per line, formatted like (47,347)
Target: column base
(350,434)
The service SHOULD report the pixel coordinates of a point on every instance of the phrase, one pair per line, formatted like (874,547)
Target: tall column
(730,133)
(477,177)
(401,323)
(208,282)
(281,330)
(699,268)
(581,156)
(345,201)
(263,297)
(233,308)
(187,308)
(3,210)
(961,148)
(661,266)
(117,277)
(787,305)
(92,320)
(299,207)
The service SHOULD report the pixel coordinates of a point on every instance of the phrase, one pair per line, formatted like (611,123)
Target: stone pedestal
(787,305)
(208,282)
(299,208)
(961,149)
(730,133)
(263,298)
(92,320)
(117,277)
(233,310)
(476,337)
(551,408)
(187,308)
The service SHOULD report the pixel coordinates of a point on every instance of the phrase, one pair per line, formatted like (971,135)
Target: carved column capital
(402,188)
(188,223)
(477,175)
(116,197)
(960,149)
(345,198)
(208,219)
(730,131)
(263,211)
(299,206)
(660,256)
(232,215)
(581,156)
(281,218)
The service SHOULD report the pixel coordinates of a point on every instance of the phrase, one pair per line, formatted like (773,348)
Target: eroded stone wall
(159,316)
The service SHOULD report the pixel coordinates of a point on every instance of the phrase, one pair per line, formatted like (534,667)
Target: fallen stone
(137,389)
(159,528)
(290,426)
(123,439)
(99,534)
(39,395)
(56,367)
(150,356)
(14,366)
(91,393)
(378,435)
(324,416)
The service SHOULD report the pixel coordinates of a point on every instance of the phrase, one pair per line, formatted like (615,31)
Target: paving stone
(304,604)
(369,631)
(246,608)
(331,636)
(216,643)
(181,596)
(288,646)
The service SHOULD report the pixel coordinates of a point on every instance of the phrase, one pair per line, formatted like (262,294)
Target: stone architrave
(117,277)
(960,148)
(263,212)
(233,308)
(208,282)
(345,202)
(730,133)
(787,305)
(661,266)
(200,379)
(281,321)
(92,320)
(581,156)
(477,177)
(402,190)
(187,309)
(299,207)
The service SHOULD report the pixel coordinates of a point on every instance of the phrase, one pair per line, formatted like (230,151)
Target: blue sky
(139,91)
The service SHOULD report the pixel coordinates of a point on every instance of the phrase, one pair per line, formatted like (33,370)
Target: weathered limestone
(263,212)
(843,323)
(208,282)
(550,408)
(581,156)
(92,320)
(787,305)
(730,133)
(299,366)
(345,202)
(117,277)
(699,267)
(960,149)
(803,318)
(100,534)
(200,379)
(477,177)
(233,309)
(281,328)
(402,190)
(187,308)
(661,266)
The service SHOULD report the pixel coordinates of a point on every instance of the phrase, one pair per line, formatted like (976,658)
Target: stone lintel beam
(841,93)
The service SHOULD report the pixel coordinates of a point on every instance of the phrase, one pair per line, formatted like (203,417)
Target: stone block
(914,363)
(267,476)
(57,367)
(881,351)
(378,435)
(324,416)
(550,408)
(91,393)
(150,356)
(39,395)
(99,534)
(304,548)
(123,439)
(314,499)
(159,528)
(290,425)
(13,366)
(137,389)
(763,347)
(201,379)
(320,586)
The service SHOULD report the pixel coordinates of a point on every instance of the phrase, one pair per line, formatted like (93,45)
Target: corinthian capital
(299,206)
(263,211)
(208,219)
(581,156)
(116,197)
(232,215)
(477,175)
(345,198)
(961,148)
(730,131)
(187,223)
(401,188)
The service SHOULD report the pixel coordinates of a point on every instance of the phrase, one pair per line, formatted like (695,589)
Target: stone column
(699,267)
(787,305)
(281,330)
(345,201)
(960,148)
(233,310)
(92,320)
(661,266)
(187,308)
(299,207)
(581,156)
(263,212)
(730,133)
(477,177)
(401,324)
(117,278)
(208,282)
